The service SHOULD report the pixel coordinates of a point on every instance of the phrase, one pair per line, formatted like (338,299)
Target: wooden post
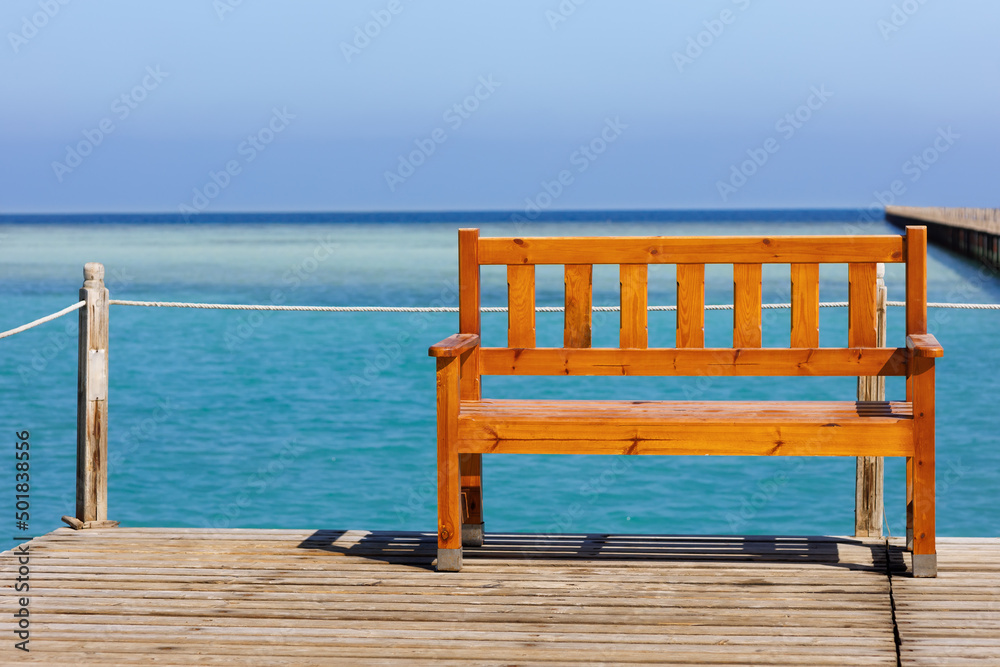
(92,401)
(869,490)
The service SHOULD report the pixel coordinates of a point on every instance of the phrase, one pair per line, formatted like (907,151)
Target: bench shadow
(419,549)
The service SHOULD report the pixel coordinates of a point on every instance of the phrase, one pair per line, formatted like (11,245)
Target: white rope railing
(436,309)
(42,320)
(968,306)
(416,309)
(494,309)
(319,309)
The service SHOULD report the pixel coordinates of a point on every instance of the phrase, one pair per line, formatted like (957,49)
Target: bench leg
(472,534)
(924,549)
(472,499)
(449,480)
(909,504)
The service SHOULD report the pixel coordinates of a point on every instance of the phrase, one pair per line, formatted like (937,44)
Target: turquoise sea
(326,420)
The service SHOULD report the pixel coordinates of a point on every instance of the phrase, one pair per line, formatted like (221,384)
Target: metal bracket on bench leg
(924,565)
(472,534)
(449,560)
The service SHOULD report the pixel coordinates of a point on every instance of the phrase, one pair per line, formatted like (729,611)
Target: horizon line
(448,212)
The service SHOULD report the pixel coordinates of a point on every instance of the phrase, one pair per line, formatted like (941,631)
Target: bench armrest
(924,345)
(453,346)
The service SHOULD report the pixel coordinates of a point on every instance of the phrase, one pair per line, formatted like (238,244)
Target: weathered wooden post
(868,489)
(92,403)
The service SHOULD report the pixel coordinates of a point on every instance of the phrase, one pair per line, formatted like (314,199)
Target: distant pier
(974,232)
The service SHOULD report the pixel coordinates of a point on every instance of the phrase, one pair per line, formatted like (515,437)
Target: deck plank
(955,619)
(185,596)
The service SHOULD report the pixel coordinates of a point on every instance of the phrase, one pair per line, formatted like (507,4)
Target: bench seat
(738,428)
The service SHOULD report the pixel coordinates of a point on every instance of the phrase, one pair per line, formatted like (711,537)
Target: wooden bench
(469,426)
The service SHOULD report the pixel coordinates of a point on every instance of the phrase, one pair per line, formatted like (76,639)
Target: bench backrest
(690,254)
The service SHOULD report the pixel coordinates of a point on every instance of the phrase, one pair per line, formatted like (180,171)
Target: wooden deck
(127,596)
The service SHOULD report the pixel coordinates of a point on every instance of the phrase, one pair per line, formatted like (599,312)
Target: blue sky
(222,105)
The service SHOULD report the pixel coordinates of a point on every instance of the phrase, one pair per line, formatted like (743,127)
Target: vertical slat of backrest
(916,280)
(468,307)
(690,305)
(521,305)
(577,330)
(633,333)
(805,305)
(746,305)
(861,304)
